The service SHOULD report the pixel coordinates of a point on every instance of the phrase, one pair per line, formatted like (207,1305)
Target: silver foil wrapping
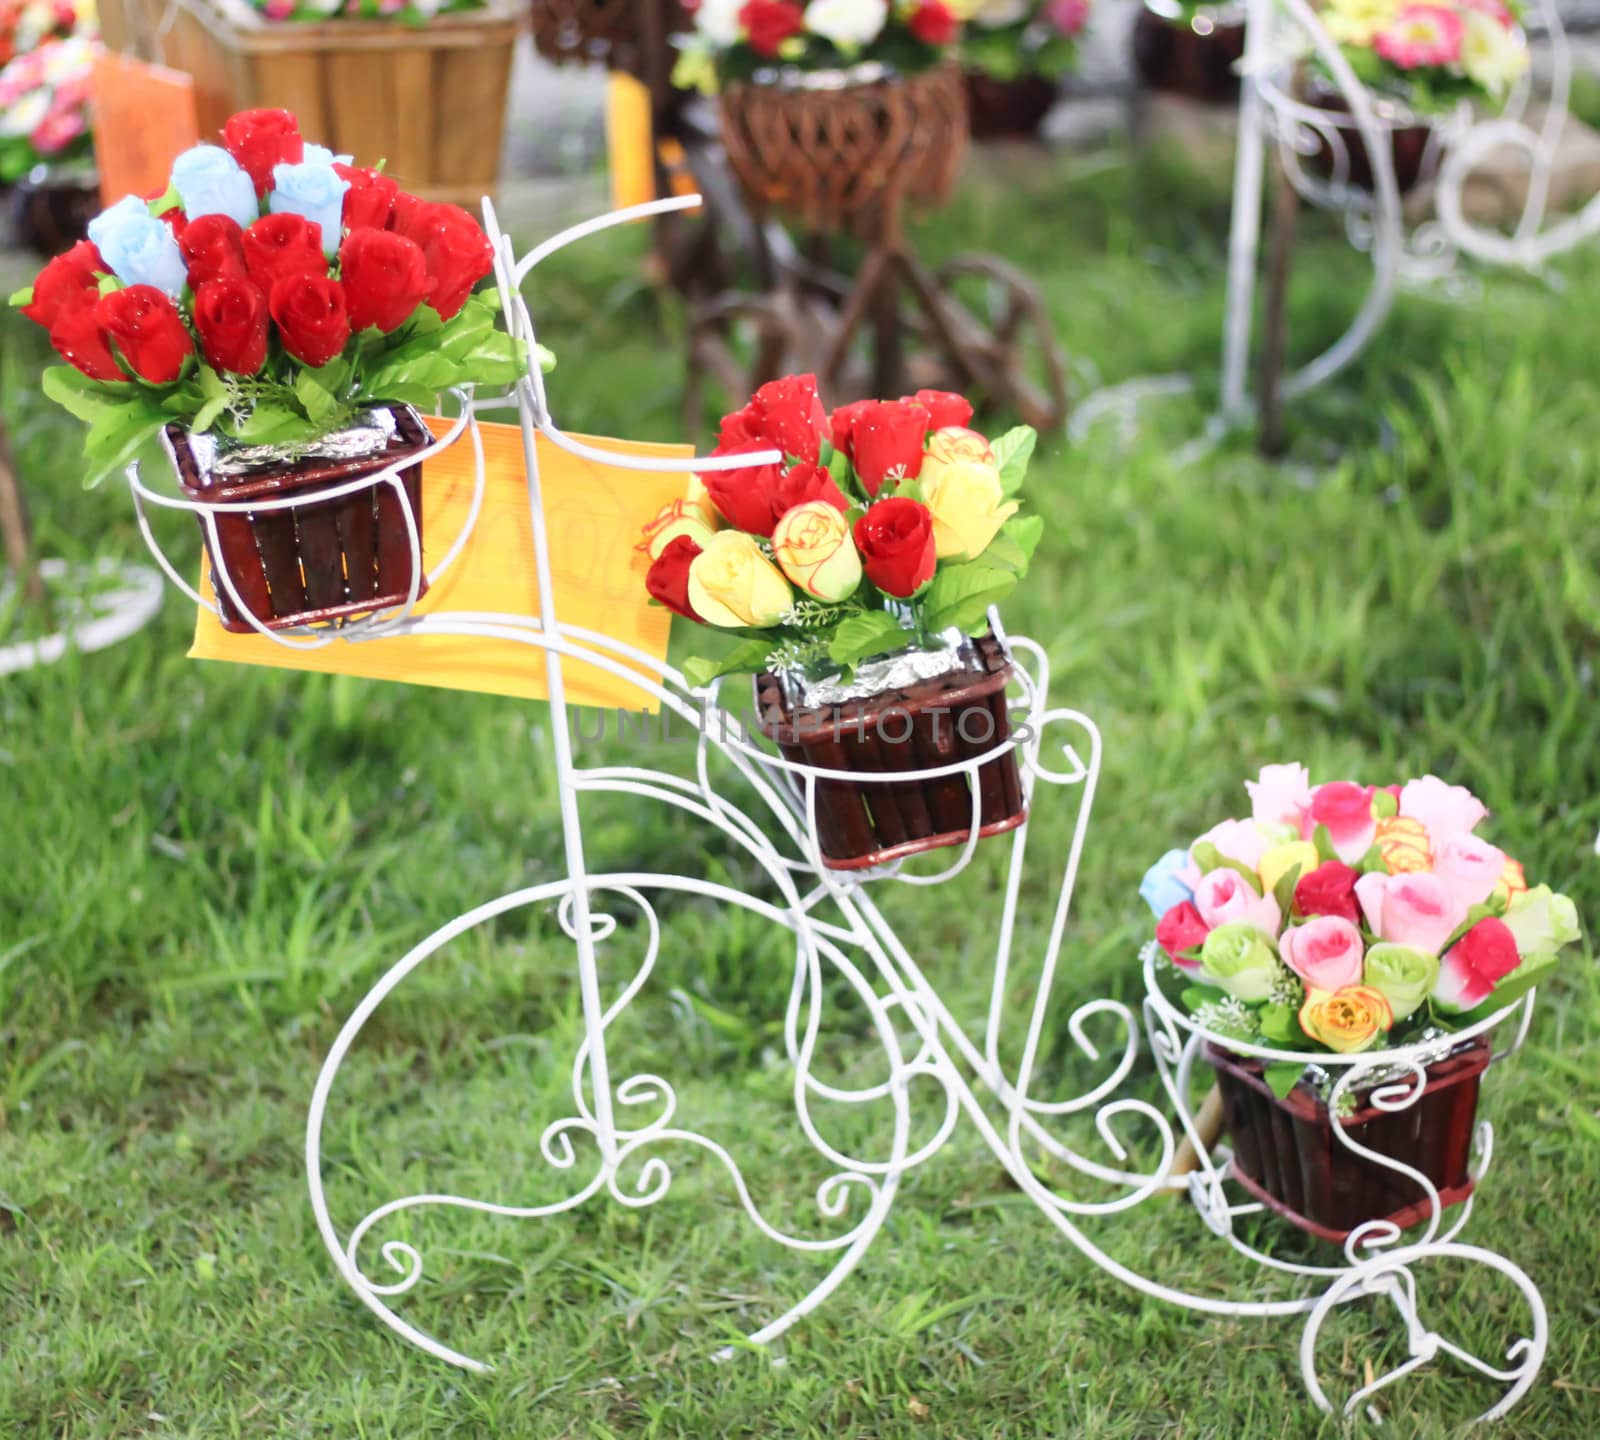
(950,651)
(370,435)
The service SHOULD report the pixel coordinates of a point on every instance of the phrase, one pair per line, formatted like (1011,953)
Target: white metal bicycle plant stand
(838,931)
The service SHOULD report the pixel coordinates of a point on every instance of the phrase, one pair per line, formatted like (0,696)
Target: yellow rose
(731,583)
(952,444)
(964,498)
(1281,859)
(1355,22)
(1403,843)
(681,517)
(812,546)
(1347,1019)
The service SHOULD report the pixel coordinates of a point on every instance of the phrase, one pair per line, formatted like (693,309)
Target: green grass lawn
(206,866)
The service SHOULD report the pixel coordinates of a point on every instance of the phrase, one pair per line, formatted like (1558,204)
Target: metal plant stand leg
(937,1072)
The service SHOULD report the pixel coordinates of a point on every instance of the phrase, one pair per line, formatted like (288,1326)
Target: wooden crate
(431,101)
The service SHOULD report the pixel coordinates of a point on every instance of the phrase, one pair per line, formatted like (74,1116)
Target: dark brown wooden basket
(309,563)
(935,722)
(1286,1155)
(1008,109)
(841,158)
(1408,146)
(1175,57)
(50,212)
(601,32)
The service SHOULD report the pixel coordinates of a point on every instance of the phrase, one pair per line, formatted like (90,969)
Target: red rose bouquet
(884,525)
(271,296)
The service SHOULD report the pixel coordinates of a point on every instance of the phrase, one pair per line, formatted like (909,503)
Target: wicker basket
(1195,59)
(310,563)
(839,149)
(430,100)
(51,210)
(1286,1155)
(954,717)
(603,32)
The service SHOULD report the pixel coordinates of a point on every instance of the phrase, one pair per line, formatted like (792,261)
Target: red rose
(231,316)
(457,251)
(278,246)
(788,416)
(1180,929)
(311,317)
(800,485)
(933,23)
(744,497)
(668,577)
(946,410)
(768,23)
(370,198)
(213,248)
(78,339)
(69,282)
(843,425)
(148,331)
(385,278)
(175,220)
(895,538)
(1480,960)
(260,139)
(404,212)
(1330,889)
(886,441)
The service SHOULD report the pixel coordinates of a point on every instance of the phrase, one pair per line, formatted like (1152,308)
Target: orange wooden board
(593,513)
(145,118)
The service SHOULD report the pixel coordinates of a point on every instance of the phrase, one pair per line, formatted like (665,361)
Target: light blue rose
(139,248)
(210,181)
(1161,889)
(320,154)
(314,190)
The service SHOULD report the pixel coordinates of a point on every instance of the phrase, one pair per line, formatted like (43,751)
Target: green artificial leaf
(1012,452)
(23,296)
(1209,858)
(271,423)
(1283,891)
(1013,547)
(1384,805)
(170,200)
(87,399)
(1280,1024)
(1372,862)
(118,436)
(1197,997)
(320,404)
(206,416)
(863,636)
(839,468)
(1282,1076)
(749,658)
(1323,840)
(960,595)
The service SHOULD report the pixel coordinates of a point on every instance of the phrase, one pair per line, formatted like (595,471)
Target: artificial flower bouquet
(275,316)
(738,39)
(44,107)
(1007,40)
(855,574)
(1429,56)
(1344,919)
(26,25)
(404,12)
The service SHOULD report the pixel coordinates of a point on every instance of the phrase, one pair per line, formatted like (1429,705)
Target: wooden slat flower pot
(429,100)
(1286,1154)
(953,717)
(311,563)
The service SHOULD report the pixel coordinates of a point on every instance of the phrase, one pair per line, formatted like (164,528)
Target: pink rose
(1281,796)
(1067,16)
(1326,952)
(1477,962)
(1421,35)
(1346,809)
(1225,897)
(1412,909)
(1470,867)
(1444,810)
(1235,840)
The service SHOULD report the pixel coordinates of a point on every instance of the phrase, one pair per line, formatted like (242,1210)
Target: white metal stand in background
(936,1072)
(1427,253)
(95,606)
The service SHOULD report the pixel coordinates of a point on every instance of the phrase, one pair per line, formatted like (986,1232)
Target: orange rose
(1403,843)
(1348,1019)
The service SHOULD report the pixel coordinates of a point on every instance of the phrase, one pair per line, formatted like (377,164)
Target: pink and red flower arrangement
(44,106)
(884,524)
(1344,917)
(1430,54)
(273,293)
